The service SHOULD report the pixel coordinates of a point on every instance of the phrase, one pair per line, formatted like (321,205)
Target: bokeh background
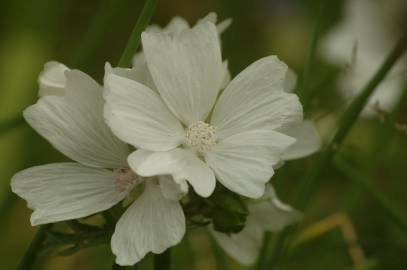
(34,32)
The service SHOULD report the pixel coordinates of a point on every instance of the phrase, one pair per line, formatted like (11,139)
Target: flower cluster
(174,120)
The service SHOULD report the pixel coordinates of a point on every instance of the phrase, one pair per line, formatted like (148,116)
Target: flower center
(124,178)
(200,136)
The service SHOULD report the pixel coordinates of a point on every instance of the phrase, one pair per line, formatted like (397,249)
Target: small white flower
(179,130)
(70,116)
(360,43)
(266,214)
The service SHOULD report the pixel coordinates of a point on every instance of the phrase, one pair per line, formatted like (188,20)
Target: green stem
(304,85)
(134,40)
(35,246)
(163,261)
(361,181)
(350,116)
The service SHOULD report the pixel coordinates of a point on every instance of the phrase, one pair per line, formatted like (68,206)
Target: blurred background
(344,228)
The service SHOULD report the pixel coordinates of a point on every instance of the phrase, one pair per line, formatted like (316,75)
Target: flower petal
(272,214)
(290,81)
(181,164)
(308,140)
(74,123)
(139,72)
(151,224)
(172,190)
(244,246)
(255,99)
(176,25)
(187,69)
(213,18)
(137,115)
(64,191)
(244,162)
(52,79)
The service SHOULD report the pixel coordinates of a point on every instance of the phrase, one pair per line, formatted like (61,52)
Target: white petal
(244,246)
(226,75)
(255,99)
(213,18)
(290,81)
(187,69)
(172,190)
(307,141)
(137,115)
(151,224)
(244,162)
(64,191)
(52,79)
(181,164)
(223,25)
(210,17)
(272,214)
(74,123)
(176,25)
(139,72)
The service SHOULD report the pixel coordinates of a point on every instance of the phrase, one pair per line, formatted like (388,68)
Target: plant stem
(163,261)
(35,246)
(311,181)
(361,181)
(134,40)
(304,85)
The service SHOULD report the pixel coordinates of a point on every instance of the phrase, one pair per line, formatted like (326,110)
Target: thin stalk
(163,261)
(304,85)
(312,179)
(358,179)
(134,40)
(35,246)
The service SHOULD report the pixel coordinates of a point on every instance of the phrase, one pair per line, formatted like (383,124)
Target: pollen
(124,178)
(200,136)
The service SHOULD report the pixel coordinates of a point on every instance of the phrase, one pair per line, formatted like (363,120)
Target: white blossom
(179,130)
(69,114)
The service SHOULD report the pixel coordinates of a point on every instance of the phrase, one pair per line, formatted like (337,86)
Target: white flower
(361,41)
(179,130)
(70,116)
(266,214)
